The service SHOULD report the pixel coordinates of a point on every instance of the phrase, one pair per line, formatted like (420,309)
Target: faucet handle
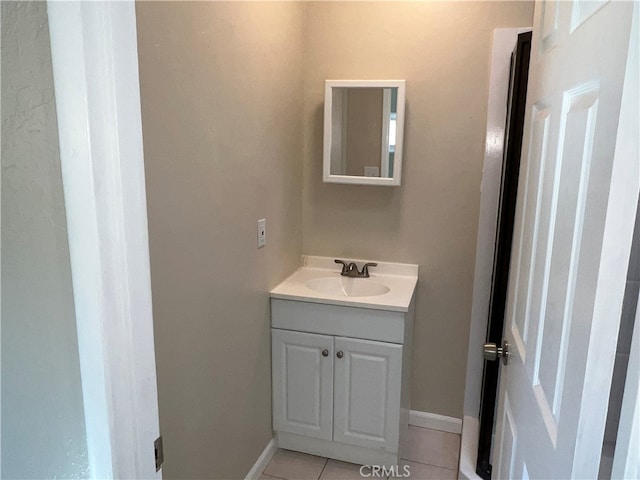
(345,268)
(365,269)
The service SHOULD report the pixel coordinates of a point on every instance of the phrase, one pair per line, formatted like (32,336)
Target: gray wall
(443,51)
(221,87)
(43,432)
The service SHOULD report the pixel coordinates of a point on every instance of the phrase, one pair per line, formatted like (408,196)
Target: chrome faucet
(351,269)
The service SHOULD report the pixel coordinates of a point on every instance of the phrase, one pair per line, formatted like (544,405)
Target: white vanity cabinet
(302,375)
(367,380)
(337,388)
(341,380)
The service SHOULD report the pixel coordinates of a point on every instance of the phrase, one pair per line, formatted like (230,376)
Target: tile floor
(430,455)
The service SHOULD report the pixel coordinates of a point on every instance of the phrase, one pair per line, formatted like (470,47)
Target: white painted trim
(504,41)
(95,70)
(435,421)
(263,460)
(469,449)
(327,177)
(626,458)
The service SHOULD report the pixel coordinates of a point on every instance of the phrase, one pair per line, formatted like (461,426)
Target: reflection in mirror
(365,137)
(361,132)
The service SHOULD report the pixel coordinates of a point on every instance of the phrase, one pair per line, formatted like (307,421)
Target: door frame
(504,41)
(504,237)
(95,69)
(626,458)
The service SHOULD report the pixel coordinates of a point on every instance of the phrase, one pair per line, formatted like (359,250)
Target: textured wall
(43,432)
(443,51)
(221,87)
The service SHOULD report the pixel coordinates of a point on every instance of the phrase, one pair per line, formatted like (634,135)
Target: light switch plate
(262,232)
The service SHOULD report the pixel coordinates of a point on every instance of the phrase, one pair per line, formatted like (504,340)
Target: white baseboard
(263,460)
(336,450)
(469,449)
(416,418)
(435,421)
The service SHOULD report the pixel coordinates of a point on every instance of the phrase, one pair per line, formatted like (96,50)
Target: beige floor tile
(337,470)
(432,447)
(420,471)
(268,477)
(295,466)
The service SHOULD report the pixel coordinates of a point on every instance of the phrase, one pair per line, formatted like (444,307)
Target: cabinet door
(302,369)
(367,393)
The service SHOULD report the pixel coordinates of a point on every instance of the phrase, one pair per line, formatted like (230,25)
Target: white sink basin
(347,287)
(318,280)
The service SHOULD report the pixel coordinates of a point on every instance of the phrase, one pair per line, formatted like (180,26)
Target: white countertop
(400,278)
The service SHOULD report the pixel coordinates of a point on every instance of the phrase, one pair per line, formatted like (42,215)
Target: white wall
(43,431)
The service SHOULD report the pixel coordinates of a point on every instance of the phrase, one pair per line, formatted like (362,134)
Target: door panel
(559,288)
(549,25)
(302,383)
(582,10)
(528,225)
(572,242)
(508,443)
(367,393)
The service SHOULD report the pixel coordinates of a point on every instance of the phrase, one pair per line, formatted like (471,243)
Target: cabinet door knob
(339,354)
(325,353)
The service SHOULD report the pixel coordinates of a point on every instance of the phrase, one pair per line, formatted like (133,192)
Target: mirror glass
(364,137)
(362,140)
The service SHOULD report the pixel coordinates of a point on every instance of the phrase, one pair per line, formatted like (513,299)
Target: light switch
(262,232)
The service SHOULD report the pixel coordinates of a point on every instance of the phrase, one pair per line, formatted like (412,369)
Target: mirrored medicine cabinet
(363,131)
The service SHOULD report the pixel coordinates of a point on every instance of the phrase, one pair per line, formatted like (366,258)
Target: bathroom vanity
(341,360)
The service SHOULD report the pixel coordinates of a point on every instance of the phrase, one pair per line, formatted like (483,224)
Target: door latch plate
(157,446)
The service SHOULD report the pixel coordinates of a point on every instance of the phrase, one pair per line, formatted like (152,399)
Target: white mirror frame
(328,123)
